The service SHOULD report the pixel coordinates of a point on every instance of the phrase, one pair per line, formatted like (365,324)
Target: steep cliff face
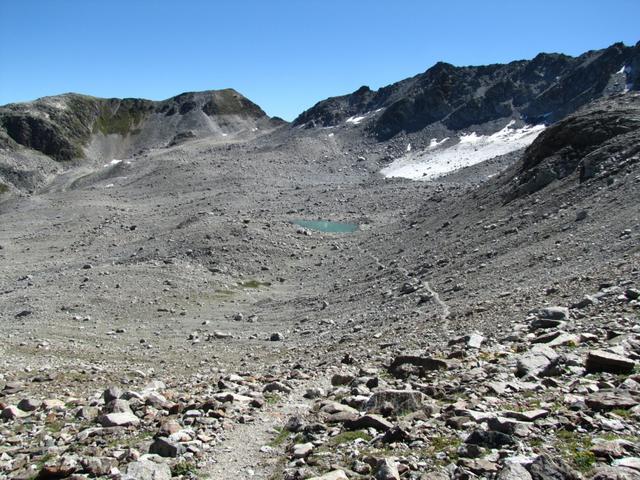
(542,90)
(599,140)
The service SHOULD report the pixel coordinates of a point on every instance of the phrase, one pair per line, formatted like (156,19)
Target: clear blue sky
(284,55)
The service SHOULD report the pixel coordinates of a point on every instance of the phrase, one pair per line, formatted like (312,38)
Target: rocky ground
(163,317)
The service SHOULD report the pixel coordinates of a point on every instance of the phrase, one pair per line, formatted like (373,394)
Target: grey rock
(544,468)
(147,470)
(490,439)
(112,393)
(536,361)
(611,399)
(334,475)
(601,361)
(302,450)
(368,421)
(405,364)
(121,419)
(554,313)
(402,401)
(386,470)
(513,471)
(166,448)
(99,466)
(117,406)
(11,413)
(29,404)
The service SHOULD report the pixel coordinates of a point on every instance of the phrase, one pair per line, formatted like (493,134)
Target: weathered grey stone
(166,448)
(387,470)
(99,466)
(147,470)
(544,468)
(111,394)
(610,400)
(601,361)
(341,379)
(121,419)
(408,363)
(117,406)
(335,475)
(509,426)
(489,439)
(536,361)
(368,421)
(12,412)
(29,404)
(554,313)
(302,450)
(513,471)
(403,401)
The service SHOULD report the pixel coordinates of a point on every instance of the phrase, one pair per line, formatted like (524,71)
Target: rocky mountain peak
(541,90)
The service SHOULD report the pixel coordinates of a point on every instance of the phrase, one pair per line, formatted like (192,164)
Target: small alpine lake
(327,226)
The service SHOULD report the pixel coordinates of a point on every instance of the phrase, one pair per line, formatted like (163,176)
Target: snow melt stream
(438,160)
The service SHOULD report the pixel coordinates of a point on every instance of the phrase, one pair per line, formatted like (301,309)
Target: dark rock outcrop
(604,137)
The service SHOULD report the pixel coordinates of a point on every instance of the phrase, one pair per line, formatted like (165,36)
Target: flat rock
(387,470)
(610,400)
(536,361)
(489,439)
(147,470)
(12,412)
(527,416)
(302,450)
(513,471)
(121,419)
(421,364)
(403,401)
(334,475)
(166,448)
(628,462)
(554,313)
(368,421)
(29,404)
(601,361)
(544,468)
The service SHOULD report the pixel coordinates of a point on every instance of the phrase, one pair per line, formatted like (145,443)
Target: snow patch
(472,148)
(625,69)
(355,119)
(331,135)
(112,163)
(435,143)
(408,147)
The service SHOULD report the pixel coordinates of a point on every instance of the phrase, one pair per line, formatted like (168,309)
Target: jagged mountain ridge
(544,89)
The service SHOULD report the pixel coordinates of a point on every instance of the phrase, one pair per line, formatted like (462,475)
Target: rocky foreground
(556,396)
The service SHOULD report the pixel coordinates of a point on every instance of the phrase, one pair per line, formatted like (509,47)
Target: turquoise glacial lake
(327,226)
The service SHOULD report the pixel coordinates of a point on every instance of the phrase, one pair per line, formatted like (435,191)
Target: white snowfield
(357,119)
(438,160)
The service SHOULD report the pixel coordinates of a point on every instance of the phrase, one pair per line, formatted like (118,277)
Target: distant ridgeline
(542,90)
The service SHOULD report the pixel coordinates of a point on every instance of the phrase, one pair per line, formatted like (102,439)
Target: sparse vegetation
(280,438)
(574,448)
(349,437)
(184,468)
